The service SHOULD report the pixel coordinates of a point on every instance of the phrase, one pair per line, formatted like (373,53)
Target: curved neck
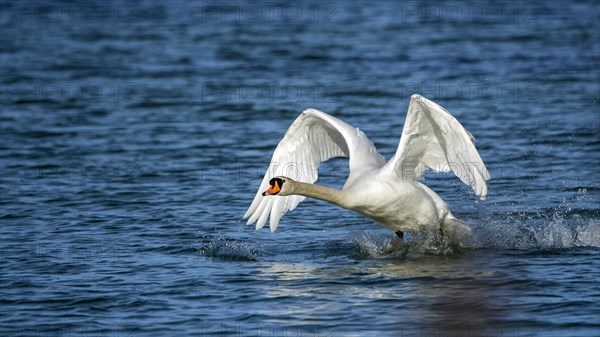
(320,192)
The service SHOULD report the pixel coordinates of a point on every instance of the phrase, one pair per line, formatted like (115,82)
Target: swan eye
(277,181)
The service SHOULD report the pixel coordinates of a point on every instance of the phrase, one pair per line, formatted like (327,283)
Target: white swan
(388,193)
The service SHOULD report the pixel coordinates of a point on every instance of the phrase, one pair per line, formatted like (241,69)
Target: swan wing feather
(432,138)
(314,137)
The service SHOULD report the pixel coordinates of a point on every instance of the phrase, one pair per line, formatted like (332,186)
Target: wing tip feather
(309,111)
(273,225)
(261,223)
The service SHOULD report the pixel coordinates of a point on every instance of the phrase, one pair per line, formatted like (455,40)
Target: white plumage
(389,193)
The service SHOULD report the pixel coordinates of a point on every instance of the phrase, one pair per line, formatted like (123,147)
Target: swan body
(389,193)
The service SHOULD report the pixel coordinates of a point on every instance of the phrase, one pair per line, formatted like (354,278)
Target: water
(134,136)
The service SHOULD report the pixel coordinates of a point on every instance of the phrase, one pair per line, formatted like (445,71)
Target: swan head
(279,186)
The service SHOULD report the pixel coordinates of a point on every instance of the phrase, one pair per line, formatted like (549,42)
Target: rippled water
(134,136)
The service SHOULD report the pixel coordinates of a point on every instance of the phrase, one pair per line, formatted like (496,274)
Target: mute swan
(388,193)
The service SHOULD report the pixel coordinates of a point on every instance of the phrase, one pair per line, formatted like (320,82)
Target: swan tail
(456,230)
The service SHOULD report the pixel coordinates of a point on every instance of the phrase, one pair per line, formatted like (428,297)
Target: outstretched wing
(433,138)
(313,138)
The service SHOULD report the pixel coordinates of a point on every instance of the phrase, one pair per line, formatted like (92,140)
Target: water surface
(134,136)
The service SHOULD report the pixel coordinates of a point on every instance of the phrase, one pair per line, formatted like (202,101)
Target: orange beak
(273,189)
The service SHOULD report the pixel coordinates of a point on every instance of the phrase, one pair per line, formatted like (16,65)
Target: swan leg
(398,245)
(398,241)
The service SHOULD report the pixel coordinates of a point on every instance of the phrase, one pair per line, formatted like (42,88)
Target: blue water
(134,136)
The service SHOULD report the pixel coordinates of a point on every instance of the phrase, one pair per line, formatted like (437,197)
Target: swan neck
(320,192)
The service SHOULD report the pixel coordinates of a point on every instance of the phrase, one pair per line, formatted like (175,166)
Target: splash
(538,230)
(222,248)
(384,245)
(373,246)
(541,230)
(588,235)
